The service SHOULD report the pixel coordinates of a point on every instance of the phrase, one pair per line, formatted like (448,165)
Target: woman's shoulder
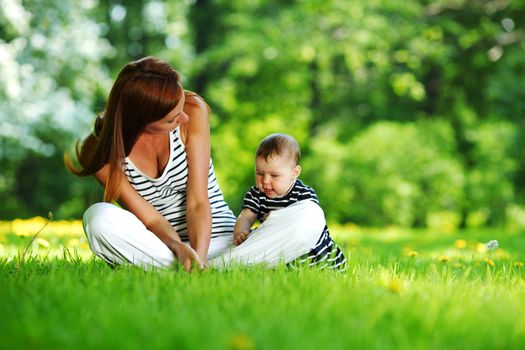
(195,102)
(199,116)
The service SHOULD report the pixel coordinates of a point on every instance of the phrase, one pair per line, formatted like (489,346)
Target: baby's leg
(285,235)
(119,237)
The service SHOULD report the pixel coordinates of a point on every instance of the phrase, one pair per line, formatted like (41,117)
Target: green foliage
(490,182)
(50,79)
(391,173)
(404,110)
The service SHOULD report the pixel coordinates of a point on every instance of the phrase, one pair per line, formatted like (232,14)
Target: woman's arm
(196,137)
(153,221)
(242,226)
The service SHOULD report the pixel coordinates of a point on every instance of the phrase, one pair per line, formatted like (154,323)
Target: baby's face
(276,175)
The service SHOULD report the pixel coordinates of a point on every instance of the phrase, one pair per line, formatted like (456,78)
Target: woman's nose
(183,118)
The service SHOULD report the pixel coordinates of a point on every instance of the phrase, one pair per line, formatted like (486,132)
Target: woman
(150,149)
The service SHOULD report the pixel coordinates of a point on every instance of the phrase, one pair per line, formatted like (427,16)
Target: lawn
(404,289)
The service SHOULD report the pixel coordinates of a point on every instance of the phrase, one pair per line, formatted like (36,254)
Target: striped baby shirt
(326,254)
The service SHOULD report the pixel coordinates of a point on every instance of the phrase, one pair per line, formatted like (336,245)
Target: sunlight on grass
(28,227)
(393,243)
(56,237)
(360,243)
(404,289)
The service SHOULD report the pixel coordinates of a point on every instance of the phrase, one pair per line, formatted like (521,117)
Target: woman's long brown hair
(144,91)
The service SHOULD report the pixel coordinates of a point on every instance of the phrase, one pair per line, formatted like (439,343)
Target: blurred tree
(491,189)
(391,173)
(325,70)
(482,45)
(45,90)
(144,28)
(403,109)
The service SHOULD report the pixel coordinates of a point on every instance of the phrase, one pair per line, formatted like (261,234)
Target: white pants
(119,237)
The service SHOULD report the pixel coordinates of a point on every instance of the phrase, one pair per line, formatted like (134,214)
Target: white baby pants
(119,237)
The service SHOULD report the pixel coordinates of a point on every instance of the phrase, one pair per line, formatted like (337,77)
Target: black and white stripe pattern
(325,254)
(167,193)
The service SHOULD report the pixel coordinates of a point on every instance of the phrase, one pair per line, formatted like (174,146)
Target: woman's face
(171,121)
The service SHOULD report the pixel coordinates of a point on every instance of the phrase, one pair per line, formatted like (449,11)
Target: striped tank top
(167,193)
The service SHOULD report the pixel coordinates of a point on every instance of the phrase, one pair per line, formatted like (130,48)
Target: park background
(409,113)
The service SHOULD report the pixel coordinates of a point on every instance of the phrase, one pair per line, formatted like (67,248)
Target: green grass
(386,300)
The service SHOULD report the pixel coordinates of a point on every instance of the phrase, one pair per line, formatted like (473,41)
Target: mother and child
(150,150)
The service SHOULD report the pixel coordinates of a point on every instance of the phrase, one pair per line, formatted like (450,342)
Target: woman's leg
(119,237)
(285,235)
(220,245)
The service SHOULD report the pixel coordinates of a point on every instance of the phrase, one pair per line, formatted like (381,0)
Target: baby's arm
(243,224)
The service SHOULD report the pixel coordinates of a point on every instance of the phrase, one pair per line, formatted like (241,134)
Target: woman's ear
(296,171)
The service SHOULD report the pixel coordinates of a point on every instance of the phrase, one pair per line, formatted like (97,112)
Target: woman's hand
(187,256)
(203,257)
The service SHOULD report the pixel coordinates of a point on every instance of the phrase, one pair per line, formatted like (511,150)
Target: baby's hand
(239,237)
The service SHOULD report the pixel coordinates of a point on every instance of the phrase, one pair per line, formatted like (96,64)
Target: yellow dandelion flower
(42,242)
(490,262)
(73,242)
(412,253)
(444,258)
(394,286)
(518,263)
(481,248)
(460,244)
(242,342)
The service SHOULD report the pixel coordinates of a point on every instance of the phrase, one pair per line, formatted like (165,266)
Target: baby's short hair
(283,145)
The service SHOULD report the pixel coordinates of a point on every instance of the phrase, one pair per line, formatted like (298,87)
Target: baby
(277,186)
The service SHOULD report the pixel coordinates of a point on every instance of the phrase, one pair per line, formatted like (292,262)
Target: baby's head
(277,164)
